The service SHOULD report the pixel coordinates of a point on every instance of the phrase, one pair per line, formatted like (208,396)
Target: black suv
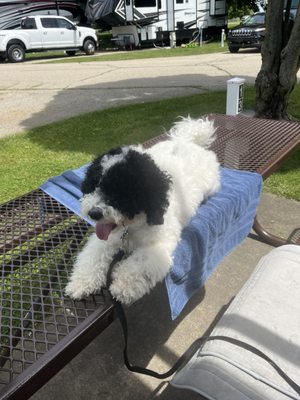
(249,34)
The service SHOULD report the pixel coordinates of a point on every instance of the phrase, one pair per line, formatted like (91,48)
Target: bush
(237,12)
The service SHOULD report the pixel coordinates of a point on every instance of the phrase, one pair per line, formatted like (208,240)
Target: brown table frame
(41,331)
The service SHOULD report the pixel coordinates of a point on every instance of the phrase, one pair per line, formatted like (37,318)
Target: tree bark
(280,64)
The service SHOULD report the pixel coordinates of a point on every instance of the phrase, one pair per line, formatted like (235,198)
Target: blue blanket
(219,225)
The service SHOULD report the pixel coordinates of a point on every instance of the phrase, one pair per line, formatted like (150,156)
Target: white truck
(46,32)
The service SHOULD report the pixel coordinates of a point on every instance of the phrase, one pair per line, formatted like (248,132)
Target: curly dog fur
(152,193)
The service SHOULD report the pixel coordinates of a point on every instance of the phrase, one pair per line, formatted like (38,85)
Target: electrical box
(235,96)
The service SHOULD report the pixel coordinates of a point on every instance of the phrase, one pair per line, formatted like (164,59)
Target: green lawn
(29,159)
(213,47)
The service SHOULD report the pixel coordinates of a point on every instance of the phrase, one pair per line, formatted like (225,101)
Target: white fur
(195,176)
(110,161)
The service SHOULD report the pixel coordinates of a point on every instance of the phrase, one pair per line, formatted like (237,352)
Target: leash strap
(182,361)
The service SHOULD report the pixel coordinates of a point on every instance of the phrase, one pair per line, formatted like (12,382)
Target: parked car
(46,32)
(249,34)
(252,29)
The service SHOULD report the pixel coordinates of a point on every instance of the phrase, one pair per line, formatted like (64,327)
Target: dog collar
(124,239)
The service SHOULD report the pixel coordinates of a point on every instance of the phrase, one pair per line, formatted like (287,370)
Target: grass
(213,47)
(31,158)
(286,181)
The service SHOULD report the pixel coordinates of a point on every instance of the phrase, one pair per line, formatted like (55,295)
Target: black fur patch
(134,185)
(137,185)
(94,172)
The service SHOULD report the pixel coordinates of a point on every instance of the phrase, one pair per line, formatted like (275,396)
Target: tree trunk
(280,64)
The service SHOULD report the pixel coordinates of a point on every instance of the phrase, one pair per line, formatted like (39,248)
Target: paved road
(34,94)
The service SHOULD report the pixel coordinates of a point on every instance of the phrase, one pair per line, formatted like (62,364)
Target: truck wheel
(233,49)
(89,47)
(16,53)
(70,52)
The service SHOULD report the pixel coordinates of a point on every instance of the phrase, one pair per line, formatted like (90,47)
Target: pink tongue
(103,230)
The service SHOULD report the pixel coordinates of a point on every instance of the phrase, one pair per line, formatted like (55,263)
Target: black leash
(182,361)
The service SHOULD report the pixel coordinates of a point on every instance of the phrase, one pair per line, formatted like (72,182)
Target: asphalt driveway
(35,93)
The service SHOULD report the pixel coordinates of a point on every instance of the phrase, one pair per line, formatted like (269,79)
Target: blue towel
(219,225)
(65,188)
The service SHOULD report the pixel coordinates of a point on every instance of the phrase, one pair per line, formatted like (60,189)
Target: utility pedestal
(235,96)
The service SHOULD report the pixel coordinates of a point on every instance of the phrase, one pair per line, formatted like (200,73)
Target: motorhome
(12,11)
(139,22)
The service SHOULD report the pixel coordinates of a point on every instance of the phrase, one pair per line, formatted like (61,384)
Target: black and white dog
(142,199)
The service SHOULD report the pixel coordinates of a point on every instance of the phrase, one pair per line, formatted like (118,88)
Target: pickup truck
(46,32)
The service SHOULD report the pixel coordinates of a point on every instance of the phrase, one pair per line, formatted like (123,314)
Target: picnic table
(41,330)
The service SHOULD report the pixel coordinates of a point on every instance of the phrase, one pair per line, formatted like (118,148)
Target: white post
(235,96)
(172,39)
(201,37)
(222,37)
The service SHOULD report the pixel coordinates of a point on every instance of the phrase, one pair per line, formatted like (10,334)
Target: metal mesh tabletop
(39,239)
(252,144)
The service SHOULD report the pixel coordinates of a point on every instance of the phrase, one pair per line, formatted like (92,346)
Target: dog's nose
(95,213)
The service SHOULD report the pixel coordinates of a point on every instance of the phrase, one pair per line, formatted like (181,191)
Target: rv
(12,11)
(138,22)
(133,22)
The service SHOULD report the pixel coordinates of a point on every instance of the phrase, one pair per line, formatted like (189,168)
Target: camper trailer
(12,11)
(137,22)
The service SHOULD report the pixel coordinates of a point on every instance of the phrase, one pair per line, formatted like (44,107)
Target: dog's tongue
(103,230)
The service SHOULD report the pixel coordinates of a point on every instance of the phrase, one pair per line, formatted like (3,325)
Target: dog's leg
(90,269)
(139,273)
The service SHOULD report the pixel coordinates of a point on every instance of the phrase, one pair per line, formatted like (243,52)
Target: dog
(141,199)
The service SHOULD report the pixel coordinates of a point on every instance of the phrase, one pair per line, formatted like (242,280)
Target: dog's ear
(157,189)
(92,176)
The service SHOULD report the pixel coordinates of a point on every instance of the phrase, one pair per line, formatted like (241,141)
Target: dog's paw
(129,287)
(72,291)
(75,290)
(85,281)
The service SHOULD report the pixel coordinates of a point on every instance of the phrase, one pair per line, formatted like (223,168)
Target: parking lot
(37,93)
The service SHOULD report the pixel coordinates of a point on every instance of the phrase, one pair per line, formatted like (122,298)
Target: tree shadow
(119,110)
